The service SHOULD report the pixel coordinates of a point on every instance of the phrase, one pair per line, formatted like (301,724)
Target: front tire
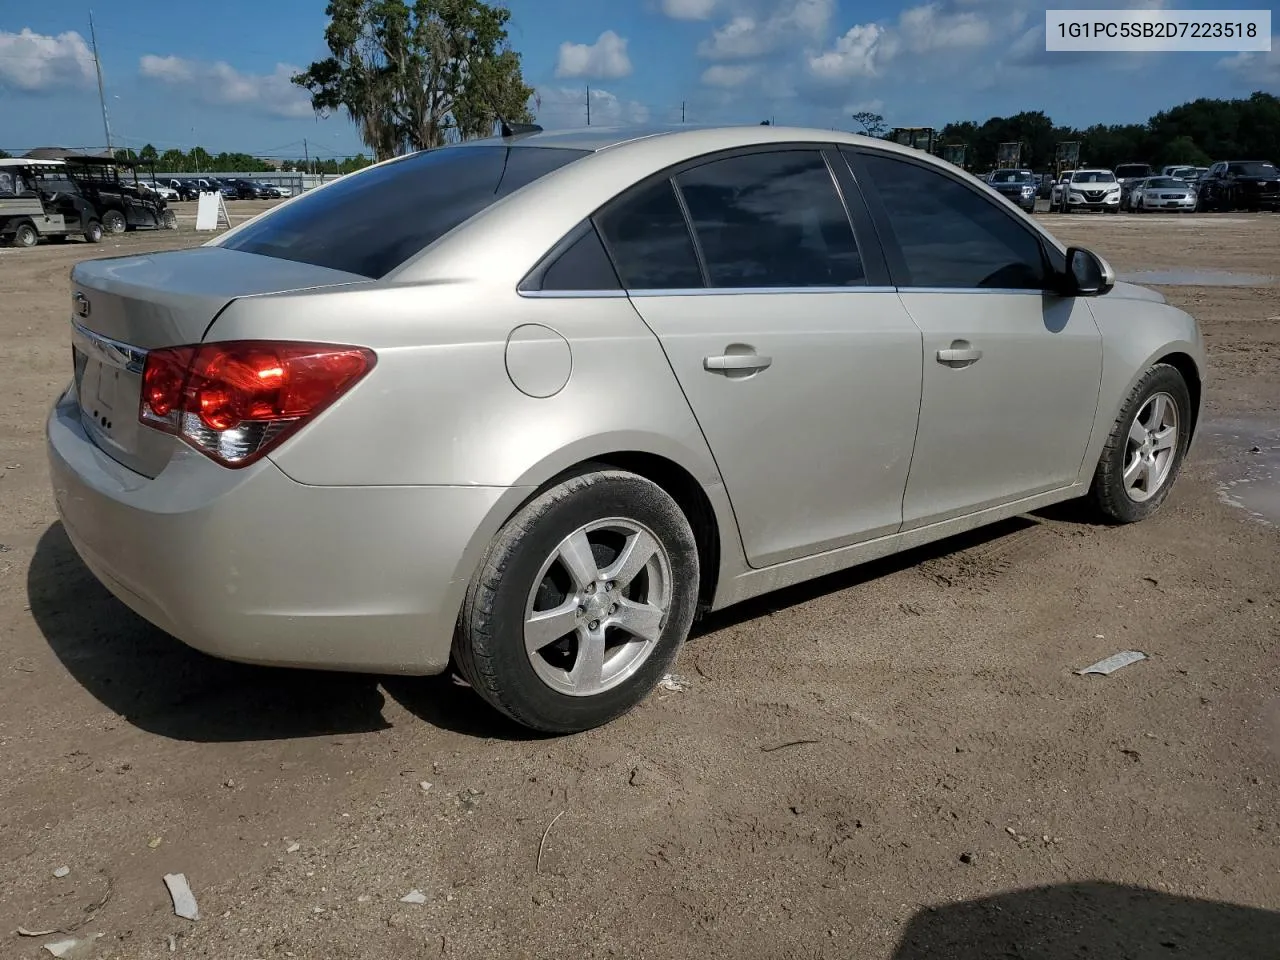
(1145,450)
(113,221)
(581,604)
(93,232)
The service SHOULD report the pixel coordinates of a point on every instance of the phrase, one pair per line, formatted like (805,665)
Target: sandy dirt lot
(894,762)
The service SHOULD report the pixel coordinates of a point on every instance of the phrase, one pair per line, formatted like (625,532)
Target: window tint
(771,220)
(370,222)
(951,236)
(583,266)
(649,239)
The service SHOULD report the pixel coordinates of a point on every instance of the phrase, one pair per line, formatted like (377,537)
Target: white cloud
(927,28)
(606,58)
(566,108)
(867,48)
(34,62)
(864,106)
(724,75)
(688,9)
(747,35)
(859,53)
(221,84)
(1256,68)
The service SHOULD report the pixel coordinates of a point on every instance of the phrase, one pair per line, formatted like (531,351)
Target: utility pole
(682,111)
(102,97)
(306,155)
(588,105)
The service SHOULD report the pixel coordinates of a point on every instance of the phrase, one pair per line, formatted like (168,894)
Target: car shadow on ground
(163,686)
(1071,921)
(787,597)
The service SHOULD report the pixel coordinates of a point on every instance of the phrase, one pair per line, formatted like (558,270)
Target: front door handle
(960,354)
(737,361)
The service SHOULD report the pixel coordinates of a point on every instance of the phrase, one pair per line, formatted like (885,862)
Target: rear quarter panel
(440,407)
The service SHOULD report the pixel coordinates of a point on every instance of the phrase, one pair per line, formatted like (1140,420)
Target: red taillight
(234,401)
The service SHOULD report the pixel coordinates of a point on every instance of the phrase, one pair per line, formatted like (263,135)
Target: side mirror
(1087,274)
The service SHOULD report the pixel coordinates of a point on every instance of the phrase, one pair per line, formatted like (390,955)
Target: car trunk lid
(122,308)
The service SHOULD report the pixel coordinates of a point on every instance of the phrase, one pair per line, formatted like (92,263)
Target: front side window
(649,240)
(371,222)
(771,220)
(951,236)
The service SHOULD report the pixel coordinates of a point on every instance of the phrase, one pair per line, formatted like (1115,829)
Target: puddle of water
(1191,277)
(1250,479)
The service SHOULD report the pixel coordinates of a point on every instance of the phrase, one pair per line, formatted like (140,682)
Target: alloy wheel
(1151,447)
(598,607)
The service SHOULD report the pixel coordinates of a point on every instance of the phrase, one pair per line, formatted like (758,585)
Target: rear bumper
(250,565)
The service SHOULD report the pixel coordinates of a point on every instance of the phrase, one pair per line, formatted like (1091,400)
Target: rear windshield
(371,222)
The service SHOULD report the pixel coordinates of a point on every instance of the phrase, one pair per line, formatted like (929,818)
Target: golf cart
(38,199)
(121,201)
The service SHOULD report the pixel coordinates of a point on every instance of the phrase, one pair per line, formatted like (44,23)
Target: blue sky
(217,75)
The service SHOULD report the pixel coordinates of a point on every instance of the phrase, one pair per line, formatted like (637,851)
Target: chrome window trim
(771,291)
(114,353)
(754,291)
(570,294)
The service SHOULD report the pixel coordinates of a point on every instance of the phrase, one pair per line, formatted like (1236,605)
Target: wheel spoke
(547,626)
(1148,475)
(1158,407)
(1137,432)
(587,674)
(1165,439)
(1133,470)
(636,552)
(641,620)
(575,554)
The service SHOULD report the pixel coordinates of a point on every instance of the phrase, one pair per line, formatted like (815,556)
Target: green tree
(1183,150)
(872,124)
(5,154)
(148,153)
(415,75)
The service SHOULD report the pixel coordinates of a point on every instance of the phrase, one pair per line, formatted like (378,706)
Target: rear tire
(93,232)
(113,222)
(169,221)
(563,629)
(25,236)
(1146,447)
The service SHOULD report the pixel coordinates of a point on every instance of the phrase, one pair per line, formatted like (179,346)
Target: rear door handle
(736,361)
(960,354)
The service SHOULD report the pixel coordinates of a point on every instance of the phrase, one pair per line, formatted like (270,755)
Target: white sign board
(211,211)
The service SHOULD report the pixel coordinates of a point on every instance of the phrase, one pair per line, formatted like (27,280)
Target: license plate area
(108,377)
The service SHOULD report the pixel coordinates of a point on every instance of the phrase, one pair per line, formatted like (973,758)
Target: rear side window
(369,223)
(771,220)
(649,239)
(583,266)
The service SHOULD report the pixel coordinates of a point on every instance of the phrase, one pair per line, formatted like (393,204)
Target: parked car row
(231,188)
(1227,185)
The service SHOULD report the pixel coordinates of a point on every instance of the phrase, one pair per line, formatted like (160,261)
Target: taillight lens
(234,401)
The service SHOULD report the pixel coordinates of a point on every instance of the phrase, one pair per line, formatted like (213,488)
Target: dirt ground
(894,762)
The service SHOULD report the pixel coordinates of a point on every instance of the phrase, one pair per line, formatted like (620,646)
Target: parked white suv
(1090,190)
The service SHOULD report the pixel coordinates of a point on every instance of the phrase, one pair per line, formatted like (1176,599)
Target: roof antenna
(508,130)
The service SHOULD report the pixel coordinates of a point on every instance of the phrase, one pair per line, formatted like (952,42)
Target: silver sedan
(533,404)
(1163,193)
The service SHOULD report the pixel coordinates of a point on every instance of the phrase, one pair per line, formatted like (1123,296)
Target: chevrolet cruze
(532,404)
